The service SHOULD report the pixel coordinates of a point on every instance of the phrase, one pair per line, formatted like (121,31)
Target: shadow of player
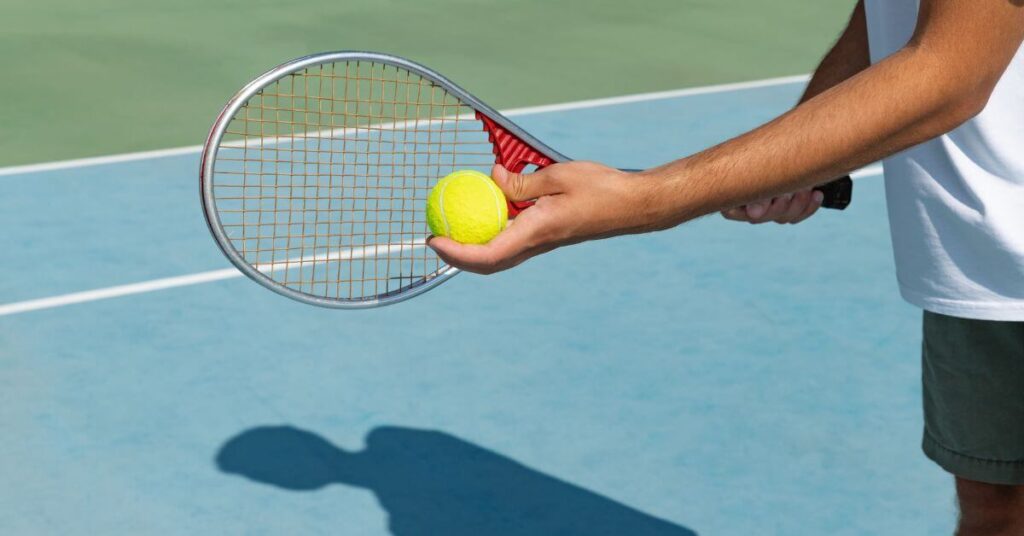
(432,483)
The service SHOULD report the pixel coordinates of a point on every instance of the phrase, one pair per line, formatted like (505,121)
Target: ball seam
(440,204)
(497,200)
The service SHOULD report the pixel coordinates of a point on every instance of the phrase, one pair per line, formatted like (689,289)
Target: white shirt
(956,203)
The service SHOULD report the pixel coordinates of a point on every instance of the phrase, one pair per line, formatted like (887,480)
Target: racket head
(318,193)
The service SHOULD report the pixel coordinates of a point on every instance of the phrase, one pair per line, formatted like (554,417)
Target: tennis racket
(315,175)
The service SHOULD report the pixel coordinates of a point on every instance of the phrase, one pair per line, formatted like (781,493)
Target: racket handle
(838,193)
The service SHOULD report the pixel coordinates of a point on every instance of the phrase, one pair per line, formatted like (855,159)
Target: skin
(848,57)
(989,509)
(852,114)
(942,78)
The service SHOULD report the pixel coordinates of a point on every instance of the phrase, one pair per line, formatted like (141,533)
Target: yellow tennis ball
(468,207)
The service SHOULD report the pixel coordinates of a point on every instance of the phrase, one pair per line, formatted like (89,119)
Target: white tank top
(956,203)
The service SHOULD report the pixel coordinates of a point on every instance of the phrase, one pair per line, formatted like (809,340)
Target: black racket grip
(838,193)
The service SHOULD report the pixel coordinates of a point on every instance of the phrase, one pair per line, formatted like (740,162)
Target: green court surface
(714,379)
(95,77)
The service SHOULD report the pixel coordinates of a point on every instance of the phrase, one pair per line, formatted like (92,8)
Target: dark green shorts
(974,397)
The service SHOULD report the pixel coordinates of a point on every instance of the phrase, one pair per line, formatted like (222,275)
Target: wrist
(662,198)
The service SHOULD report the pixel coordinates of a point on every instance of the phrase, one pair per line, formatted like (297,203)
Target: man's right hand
(847,57)
(789,208)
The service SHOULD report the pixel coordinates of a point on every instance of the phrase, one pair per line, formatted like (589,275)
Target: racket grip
(838,193)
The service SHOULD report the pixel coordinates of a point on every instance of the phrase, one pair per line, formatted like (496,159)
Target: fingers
(459,255)
(797,205)
(758,209)
(506,250)
(736,213)
(525,186)
(749,212)
(816,200)
(766,210)
(789,208)
(777,210)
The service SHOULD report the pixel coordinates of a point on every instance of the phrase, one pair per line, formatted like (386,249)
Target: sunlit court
(715,378)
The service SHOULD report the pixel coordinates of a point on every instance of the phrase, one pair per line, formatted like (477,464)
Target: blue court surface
(715,379)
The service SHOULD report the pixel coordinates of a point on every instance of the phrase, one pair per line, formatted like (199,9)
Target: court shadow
(433,483)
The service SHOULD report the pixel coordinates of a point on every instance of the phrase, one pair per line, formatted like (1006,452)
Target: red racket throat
(514,154)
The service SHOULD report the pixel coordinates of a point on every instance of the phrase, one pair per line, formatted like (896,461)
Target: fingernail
(755,209)
(818,197)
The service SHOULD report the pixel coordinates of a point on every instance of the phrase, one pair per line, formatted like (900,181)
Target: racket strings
(321,178)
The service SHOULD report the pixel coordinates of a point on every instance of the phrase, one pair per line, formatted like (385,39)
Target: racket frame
(837,192)
(213,141)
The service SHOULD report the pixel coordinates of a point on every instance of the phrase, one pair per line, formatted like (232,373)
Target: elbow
(969,97)
(959,85)
(958,108)
(965,107)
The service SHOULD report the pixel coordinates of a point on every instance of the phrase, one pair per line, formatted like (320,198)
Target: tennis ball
(467,207)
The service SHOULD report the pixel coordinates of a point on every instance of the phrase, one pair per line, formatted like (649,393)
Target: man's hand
(848,56)
(789,208)
(576,201)
(940,79)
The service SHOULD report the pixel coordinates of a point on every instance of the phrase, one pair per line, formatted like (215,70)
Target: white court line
(98,160)
(214,275)
(230,273)
(574,105)
(870,171)
(120,290)
(195,279)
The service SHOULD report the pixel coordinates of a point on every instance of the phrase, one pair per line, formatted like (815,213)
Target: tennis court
(714,379)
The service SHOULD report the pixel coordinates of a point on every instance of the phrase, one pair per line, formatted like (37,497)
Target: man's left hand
(575,202)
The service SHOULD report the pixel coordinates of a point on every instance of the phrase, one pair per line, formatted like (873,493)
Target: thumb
(524,186)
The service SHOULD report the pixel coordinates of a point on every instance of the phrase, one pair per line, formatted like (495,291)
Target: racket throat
(513,154)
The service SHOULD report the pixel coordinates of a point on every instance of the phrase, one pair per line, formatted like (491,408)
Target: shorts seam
(937,443)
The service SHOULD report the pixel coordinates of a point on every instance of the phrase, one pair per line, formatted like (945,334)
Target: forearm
(904,100)
(944,76)
(847,57)
(941,78)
